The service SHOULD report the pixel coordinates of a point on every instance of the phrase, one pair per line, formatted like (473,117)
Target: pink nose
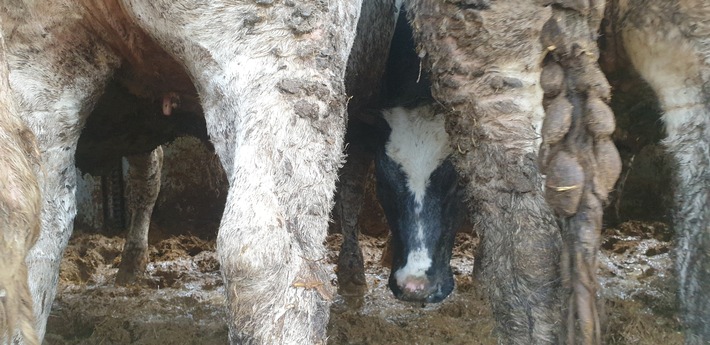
(415,286)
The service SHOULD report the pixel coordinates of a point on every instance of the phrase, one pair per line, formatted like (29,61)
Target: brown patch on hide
(306,109)
(300,88)
(303,20)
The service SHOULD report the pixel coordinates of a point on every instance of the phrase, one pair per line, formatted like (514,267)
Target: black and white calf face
(418,189)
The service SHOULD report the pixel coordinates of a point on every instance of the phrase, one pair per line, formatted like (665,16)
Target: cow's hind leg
(271,239)
(485,61)
(19,215)
(57,71)
(142,189)
(688,142)
(663,43)
(270,80)
(270,242)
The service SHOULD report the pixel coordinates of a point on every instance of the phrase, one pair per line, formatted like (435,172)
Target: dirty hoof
(129,273)
(352,287)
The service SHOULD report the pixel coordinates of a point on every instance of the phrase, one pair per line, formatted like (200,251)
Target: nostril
(415,285)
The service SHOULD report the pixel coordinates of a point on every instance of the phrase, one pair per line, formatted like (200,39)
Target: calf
(418,189)
(417,185)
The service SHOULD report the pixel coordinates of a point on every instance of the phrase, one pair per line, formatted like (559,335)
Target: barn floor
(180,302)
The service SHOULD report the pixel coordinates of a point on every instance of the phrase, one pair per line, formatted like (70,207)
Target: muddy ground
(180,302)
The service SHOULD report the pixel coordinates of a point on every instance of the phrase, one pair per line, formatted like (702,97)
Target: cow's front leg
(485,65)
(142,189)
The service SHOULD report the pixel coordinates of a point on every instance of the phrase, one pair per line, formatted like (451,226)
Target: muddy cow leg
(485,66)
(668,44)
(688,142)
(270,77)
(142,189)
(351,270)
(19,215)
(57,71)
(366,66)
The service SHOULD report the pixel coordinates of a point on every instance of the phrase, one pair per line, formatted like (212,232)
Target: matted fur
(269,77)
(668,43)
(19,215)
(57,70)
(486,74)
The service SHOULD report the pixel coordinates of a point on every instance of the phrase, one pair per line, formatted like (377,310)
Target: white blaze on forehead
(418,262)
(418,143)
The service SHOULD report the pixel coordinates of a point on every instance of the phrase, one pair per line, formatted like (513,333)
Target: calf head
(418,189)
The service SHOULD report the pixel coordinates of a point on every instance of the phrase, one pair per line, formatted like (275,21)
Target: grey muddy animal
(19,215)
(269,78)
(668,42)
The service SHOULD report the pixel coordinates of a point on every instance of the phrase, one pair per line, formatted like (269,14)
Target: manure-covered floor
(181,300)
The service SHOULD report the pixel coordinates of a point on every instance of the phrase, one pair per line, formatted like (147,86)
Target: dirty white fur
(419,143)
(674,57)
(418,262)
(281,166)
(19,216)
(671,66)
(527,100)
(53,103)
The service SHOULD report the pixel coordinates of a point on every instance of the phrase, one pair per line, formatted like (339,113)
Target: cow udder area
(180,300)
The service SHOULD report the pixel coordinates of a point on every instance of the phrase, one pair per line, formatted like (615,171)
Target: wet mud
(180,300)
